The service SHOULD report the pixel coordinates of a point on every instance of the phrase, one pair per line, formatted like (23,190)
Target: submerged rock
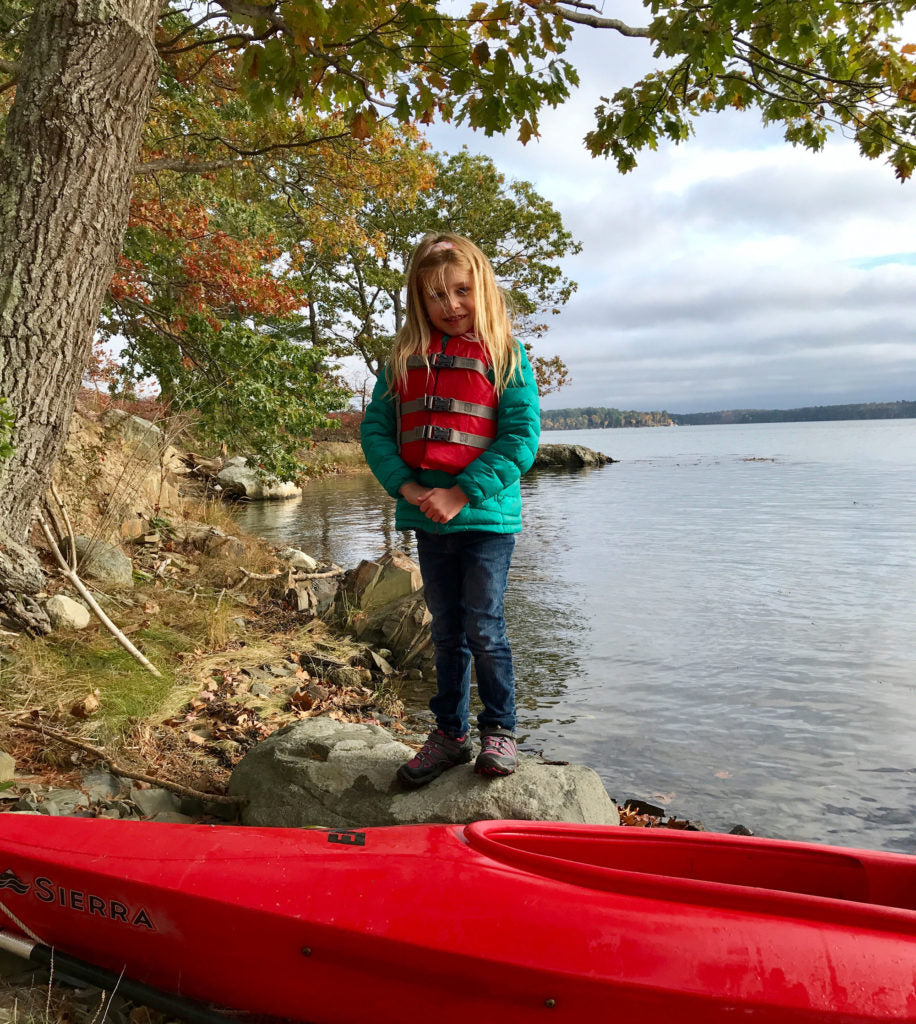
(569,455)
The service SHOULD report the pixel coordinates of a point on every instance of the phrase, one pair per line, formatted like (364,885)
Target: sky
(732,271)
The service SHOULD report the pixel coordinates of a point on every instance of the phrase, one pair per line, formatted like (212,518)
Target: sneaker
(439,753)
(498,753)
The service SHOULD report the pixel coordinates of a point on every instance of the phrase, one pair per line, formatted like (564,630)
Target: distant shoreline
(596,418)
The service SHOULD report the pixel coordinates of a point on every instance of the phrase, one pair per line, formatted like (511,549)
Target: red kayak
(503,921)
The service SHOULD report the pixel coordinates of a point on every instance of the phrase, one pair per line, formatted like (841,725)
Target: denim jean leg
(486,560)
(440,566)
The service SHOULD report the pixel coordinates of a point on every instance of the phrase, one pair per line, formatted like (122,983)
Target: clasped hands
(439,504)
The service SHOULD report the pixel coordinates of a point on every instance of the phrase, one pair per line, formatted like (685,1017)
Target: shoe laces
(435,743)
(496,743)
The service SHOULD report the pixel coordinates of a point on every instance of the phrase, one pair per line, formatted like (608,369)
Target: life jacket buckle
(437,403)
(446,361)
(433,432)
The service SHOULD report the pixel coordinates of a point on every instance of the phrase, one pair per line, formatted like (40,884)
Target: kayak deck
(517,921)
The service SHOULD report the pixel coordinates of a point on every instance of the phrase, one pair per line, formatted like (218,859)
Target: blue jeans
(464,580)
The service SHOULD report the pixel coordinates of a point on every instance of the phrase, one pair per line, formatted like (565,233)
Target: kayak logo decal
(347,837)
(10,880)
(46,890)
(90,903)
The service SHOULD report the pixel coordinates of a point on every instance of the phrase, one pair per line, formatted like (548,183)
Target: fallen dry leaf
(87,706)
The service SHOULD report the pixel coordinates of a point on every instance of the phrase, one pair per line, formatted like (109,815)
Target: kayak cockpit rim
(855,888)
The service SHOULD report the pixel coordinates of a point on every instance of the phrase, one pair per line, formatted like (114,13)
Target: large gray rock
(248,483)
(322,772)
(103,562)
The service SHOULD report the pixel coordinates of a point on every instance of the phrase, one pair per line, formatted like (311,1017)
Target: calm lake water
(723,623)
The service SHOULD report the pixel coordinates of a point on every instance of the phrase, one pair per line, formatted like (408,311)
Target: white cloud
(732,270)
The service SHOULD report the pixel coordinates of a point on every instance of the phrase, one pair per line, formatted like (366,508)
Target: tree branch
(119,770)
(185,166)
(592,20)
(91,601)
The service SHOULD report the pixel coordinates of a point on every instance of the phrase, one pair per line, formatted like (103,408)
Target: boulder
(103,562)
(148,440)
(326,773)
(569,455)
(245,482)
(402,627)
(65,613)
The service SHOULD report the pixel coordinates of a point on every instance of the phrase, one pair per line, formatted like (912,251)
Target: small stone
(644,807)
(282,668)
(297,559)
(65,613)
(7,767)
(154,801)
(229,746)
(348,676)
(102,787)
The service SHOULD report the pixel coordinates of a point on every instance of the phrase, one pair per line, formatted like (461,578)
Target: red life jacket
(447,408)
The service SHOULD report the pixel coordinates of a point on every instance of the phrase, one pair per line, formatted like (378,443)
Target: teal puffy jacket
(491,481)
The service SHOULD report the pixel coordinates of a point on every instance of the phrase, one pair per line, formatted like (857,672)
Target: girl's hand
(443,503)
(414,493)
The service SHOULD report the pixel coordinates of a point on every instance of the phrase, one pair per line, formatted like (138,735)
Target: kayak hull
(518,921)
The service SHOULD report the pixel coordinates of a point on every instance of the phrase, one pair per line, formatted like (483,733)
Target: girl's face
(449,301)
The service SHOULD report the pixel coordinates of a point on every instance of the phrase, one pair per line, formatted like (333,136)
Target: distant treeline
(592,418)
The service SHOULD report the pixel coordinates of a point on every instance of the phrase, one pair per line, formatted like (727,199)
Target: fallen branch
(91,601)
(295,575)
(119,770)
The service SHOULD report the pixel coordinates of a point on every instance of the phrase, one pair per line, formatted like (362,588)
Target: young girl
(453,424)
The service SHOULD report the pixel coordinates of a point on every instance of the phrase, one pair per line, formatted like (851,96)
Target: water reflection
(732,638)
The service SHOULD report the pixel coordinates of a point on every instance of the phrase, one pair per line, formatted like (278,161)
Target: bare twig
(120,770)
(91,601)
(66,518)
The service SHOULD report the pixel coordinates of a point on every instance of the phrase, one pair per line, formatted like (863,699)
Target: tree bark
(73,133)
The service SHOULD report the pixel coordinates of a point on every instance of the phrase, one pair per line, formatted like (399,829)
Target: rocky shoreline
(297,722)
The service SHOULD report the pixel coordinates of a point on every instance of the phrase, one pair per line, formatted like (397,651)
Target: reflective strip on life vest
(447,362)
(439,403)
(431,432)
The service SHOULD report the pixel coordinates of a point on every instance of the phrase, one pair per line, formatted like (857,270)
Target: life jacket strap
(440,403)
(442,361)
(432,432)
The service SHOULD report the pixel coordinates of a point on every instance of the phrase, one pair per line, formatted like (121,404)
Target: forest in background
(592,418)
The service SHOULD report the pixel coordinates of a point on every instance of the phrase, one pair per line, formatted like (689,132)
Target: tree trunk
(73,133)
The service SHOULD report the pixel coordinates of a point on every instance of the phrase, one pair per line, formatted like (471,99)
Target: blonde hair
(432,257)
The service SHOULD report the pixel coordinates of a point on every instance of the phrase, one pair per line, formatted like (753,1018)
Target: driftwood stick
(296,575)
(117,769)
(261,575)
(91,601)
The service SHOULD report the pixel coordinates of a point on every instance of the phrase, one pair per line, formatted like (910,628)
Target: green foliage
(598,418)
(592,418)
(518,229)
(257,385)
(856,411)
(813,67)
(7,420)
